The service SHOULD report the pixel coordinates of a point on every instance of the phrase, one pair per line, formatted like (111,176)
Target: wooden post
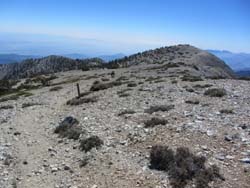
(78,90)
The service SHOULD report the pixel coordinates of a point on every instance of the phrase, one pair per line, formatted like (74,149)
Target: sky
(97,27)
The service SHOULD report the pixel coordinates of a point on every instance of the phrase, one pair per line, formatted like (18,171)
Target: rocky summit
(166,118)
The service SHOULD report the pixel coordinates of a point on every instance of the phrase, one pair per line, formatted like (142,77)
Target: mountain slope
(46,65)
(201,62)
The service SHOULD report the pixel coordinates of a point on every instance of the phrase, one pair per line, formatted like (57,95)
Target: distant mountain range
(239,62)
(15,58)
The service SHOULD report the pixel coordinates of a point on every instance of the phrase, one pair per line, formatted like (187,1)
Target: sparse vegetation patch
(182,167)
(215,92)
(91,142)
(78,101)
(157,108)
(154,122)
(69,128)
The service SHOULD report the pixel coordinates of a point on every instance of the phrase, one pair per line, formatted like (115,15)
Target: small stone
(228,138)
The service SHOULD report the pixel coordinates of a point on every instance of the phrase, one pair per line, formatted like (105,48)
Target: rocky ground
(31,155)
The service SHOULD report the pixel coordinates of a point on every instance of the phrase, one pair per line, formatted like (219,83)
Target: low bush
(97,86)
(126,112)
(69,128)
(192,101)
(154,122)
(227,111)
(202,86)
(91,142)
(56,88)
(6,107)
(25,105)
(157,108)
(78,101)
(215,92)
(132,84)
(191,78)
(182,166)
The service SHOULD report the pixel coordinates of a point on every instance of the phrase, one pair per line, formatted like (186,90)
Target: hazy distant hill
(237,61)
(12,58)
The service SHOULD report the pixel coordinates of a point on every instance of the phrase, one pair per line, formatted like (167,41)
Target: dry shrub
(126,112)
(215,92)
(78,101)
(6,107)
(91,142)
(191,78)
(155,121)
(69,128)
(182,166)
(97,86)
(56,88)
(157,108)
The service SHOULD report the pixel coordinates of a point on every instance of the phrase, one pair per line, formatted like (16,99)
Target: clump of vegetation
(154,122)
(105,79)
(16,96)
(124,95)
(6,87)
(182,166)
(69,128)
(202,86)
(97,85)
(132,84)
(56,88)
(227,111)
(78,101)
(215,92)
(191,78)
(157,108)
(6,107)
(91,142)
(127,111)
(122,78)
(192,101)
(25,105)
(124,91)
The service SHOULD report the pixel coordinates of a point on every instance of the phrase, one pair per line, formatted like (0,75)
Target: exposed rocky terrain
(109,131)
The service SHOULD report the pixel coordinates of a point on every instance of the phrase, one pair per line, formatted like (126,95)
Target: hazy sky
(45,27)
